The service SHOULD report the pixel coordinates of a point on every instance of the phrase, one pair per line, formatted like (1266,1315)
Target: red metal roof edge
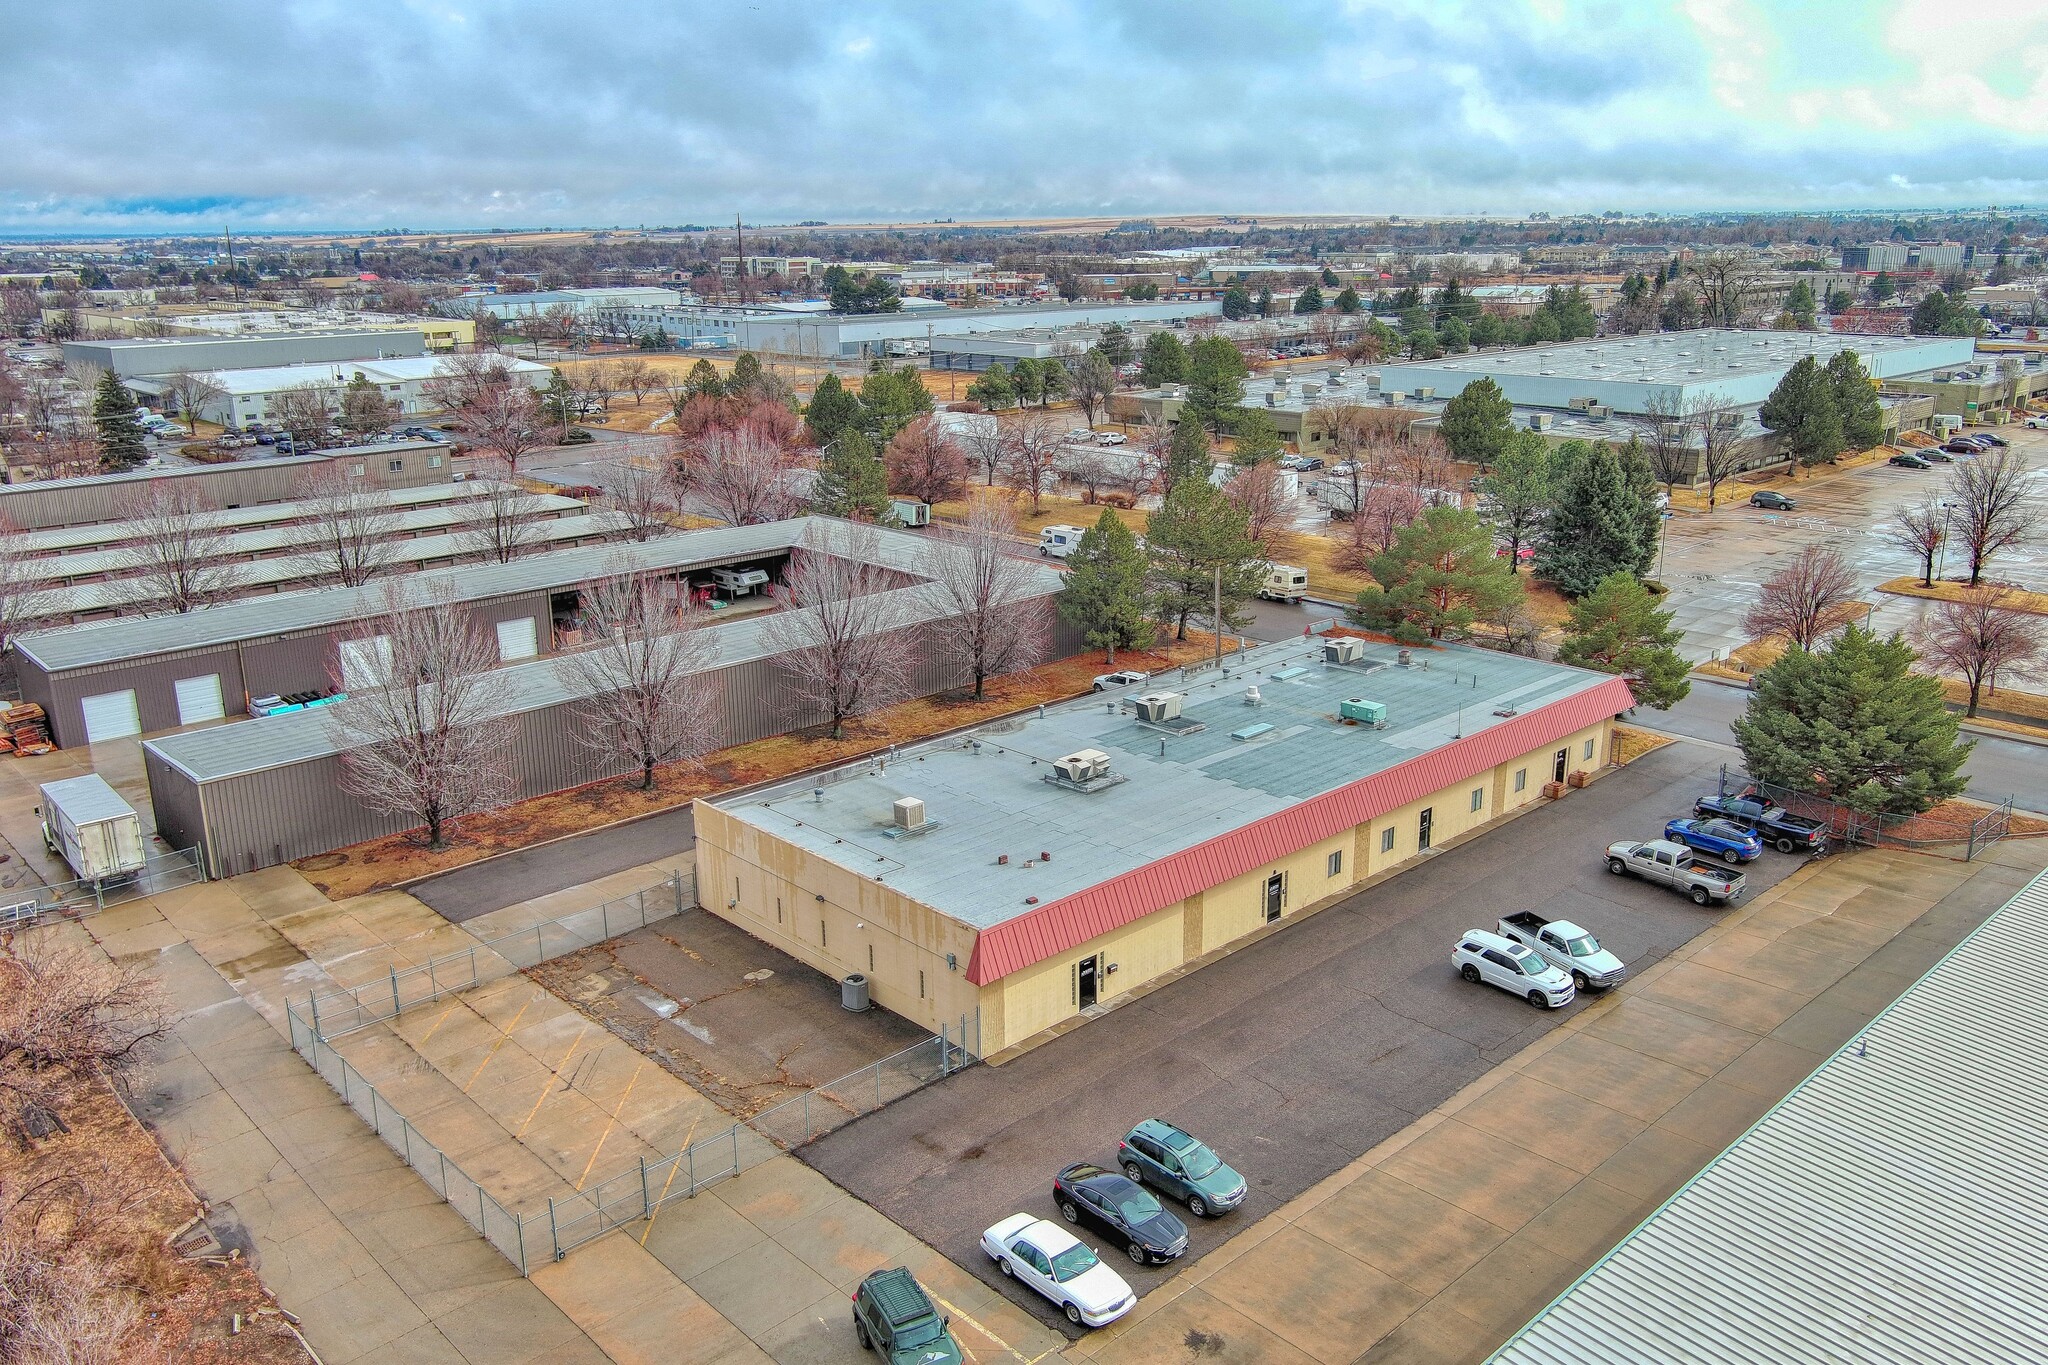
(1050,929)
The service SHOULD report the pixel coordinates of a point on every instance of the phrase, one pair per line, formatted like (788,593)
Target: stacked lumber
(27,729)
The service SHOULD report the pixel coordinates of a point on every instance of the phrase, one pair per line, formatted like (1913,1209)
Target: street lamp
(1941,546)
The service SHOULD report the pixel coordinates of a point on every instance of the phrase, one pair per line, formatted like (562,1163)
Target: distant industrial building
(263,791)
(1875,256)
(1031,872)
(1886,1210)
(248,396)
(872,335)
(136,357)
(144,318)
(583,302)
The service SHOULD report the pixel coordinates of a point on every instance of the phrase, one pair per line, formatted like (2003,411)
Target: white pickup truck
(1678,867)
(1566,946)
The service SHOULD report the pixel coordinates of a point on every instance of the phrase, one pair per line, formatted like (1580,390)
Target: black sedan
(1121,1209)
(1776,501)
(1906,461)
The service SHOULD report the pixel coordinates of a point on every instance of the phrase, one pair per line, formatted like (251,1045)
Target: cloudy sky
(145,115)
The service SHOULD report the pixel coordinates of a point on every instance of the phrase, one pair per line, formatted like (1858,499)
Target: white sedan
(1054,1262)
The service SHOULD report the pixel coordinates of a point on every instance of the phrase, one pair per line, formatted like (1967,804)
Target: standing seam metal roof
(1051,929)
(1892,1210)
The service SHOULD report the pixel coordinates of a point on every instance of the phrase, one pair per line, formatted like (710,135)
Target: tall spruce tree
(1476,422)
(832,410)
(1853,722)
(1597,527)
(1441,576)
(851,482)
(1517,494)
(1187,457)
(1216,372)
(1197,534)
(1619,628)
(1801,410)
(1855,401)
(1104,593)
(113,417)
(1165,360)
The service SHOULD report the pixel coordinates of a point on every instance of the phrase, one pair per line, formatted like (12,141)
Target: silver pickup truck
(1678,867)
(1566,946)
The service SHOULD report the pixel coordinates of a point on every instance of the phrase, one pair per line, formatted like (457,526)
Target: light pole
(1663,542)
(1941,544)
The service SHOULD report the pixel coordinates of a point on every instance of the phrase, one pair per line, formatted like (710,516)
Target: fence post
(344,1080)
(646,1204)
(472,966)
(405,1136)
(539,950)
(641,897)
(878,1085)
(807,1116)
(735,1149)
(433,980)
(483,1220)
(444,1172)
(394,993)
(604,913)
(520,1224)
(945,1053)
(691,1153)
(554,1232)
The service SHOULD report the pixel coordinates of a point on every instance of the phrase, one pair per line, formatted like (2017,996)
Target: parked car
(1123,677)
(1081,434)
(1991,438)
(1904,460)
(1123,1209)
(1310,463)
(1053,1262)
(1565,946)
(894,1317)
(2037,423)
(1111,438)
(1724,839)
(1502,962)
(1777,502)
(1675,866)
(1783,830)
(1157,1153)
(1942,455)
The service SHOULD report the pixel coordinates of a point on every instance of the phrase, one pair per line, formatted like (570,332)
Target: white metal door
(518,639)
(110,716)
(199,699)
(365,663)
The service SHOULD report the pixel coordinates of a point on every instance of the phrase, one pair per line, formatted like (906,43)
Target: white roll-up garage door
(110,716)
(199,699)
(517,639)
(365,663)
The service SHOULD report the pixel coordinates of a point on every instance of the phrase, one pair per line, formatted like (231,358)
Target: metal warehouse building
(1892,1210)
(106,679)
(1029,871)
(260,792)
(133,356)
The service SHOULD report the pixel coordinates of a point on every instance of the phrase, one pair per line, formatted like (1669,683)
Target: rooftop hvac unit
(1597,412)
(909,813)
(1427,391)
(1580,404)
(1540,421)
(1311,390)
(1372,379)
(1393,396)
(1337,380)
(1272,400)
(1158,707)
(1363,711)
(1343,650)
(1083,765)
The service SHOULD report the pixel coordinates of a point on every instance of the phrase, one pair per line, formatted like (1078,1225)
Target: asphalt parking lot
(1294,1055)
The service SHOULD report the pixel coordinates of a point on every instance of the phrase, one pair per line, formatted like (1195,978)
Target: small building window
(1521,779)
(1387,840)
(1589,748)
(398,466)
(1479,798)
(920,985)
(1335,863)
(433,461)
(358,469)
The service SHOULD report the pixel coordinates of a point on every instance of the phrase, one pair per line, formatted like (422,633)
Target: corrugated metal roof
(1050,929)
(101,642)
(57,538)
(1892,1210)
(86,799)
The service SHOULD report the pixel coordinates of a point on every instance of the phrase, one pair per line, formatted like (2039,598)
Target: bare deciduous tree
(837,634)
(652,698)
(1718,428)
(1091,380)
(1261,494)
(925,462)
(508,420)
(740,477)
(1991,507)
(1731,287)
(192,391)
(983,443)
(1803,601)
(24,595)
(68,1014)
(996,623)
(179,551)
(462,379)
(354,523)
(1031,445)
(644,497)
(1667,429)
(1978,637)
(637,377)
(599,382)
(305,411)
(1920,530)
(502,522)
(429,743)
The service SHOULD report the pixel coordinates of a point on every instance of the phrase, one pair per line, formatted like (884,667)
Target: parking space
(1300,1052)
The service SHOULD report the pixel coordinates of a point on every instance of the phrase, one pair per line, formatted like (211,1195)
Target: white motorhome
(1059,541)
(1284,583)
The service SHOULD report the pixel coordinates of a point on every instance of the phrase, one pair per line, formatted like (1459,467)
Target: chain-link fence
(1950,830)
(568,1222)
(160,872)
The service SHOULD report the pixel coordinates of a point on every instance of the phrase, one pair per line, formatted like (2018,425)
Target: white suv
(1499,961)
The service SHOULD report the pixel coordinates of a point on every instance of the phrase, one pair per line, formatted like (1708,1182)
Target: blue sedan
(1724,839)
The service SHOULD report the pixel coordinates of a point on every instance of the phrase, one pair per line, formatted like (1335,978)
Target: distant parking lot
(1296,1054)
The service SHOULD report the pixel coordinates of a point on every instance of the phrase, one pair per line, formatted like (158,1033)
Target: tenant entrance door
(1422,825)
(1276,895)
(1084,982)
(1564,757)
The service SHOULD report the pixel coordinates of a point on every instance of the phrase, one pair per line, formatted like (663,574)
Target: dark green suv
(1158,1154)
(892,1314)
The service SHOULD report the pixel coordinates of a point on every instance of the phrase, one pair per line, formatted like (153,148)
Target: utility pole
(230,236)
(1216,621)
(739,241)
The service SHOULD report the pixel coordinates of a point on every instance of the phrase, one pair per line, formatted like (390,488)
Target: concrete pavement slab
(1621,1078)
(1405,1232)
(1564,1127)
(761,1288)
(1500,1182)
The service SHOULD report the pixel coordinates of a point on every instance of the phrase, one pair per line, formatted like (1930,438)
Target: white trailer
(89,826)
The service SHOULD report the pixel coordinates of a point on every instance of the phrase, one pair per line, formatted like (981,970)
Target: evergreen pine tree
(851,482)
(1801,409)
(1195,533)
(1188,455)
(1619,628)
(1165,361)
(558,401)
(113,416)
(1104,592)
(1476,422)
(1597,527)
(704,382)
(992,388)
(1309,300)
(1348,302)
(1856,724)
(1441,576)
(832,410)
(890,400)
(1855,401)
(1258,439)
(1216,372)
(746,376)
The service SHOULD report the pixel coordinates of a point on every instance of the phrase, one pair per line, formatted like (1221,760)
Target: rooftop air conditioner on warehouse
(909,813)
(1158,707)
(1343,650)
(1084,765)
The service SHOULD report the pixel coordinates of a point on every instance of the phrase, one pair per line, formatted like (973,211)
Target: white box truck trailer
(89,826)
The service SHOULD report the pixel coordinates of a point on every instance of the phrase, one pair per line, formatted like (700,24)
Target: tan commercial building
(1028,873)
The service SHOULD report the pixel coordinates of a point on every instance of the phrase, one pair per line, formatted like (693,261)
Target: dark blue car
(1724,839)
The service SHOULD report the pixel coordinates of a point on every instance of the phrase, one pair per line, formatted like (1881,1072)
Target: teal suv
(1158,1154)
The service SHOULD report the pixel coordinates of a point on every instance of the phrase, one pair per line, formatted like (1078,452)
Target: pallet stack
(27,729)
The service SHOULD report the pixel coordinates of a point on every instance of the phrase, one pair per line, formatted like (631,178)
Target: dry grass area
(1947,590)
(106,1196)
(1758,655)
(1631,744)
(396,859)
(1051,512)
(1952,818)
(1738,489)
